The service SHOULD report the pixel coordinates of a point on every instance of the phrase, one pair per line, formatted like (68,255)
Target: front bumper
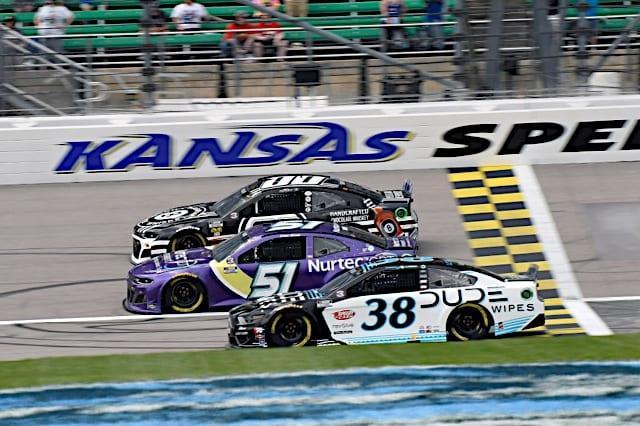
(142,299)
(146,248)
(245,335)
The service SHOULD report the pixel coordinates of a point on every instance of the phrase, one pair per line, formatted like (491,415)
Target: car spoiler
(407,188)
(530,275)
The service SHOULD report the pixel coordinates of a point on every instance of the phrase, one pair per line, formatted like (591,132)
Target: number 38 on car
(393,300)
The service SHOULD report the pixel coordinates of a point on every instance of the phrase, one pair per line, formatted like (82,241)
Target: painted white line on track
(611,299)
(114,318)
(556,255)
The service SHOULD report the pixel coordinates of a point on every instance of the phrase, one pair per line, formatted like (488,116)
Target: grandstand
(104,48)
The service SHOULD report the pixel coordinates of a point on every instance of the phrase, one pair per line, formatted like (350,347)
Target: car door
(273,206)
(274,265)
(382,307)
(329,257)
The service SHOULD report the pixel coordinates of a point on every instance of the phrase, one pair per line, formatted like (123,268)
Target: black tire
(186,241)
(183,295)
(468,322)
(290,328)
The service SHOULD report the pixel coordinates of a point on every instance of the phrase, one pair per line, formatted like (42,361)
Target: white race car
(393,300)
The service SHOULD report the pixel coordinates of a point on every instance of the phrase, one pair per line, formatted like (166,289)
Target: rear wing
(407,188)
(530,275)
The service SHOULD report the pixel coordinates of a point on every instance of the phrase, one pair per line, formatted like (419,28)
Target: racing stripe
(502,235)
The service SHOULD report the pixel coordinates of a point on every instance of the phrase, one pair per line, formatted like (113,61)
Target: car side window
(281,249)
(324,200)
(327,246)
(384,282)
(281,203)
(449,278)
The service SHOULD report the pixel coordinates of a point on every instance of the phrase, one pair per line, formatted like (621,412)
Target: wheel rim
(184,294)
(469,322)
(291,330)
(188,242)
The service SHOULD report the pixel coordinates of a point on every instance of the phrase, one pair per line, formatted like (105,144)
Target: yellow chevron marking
(503,259)
(566,331)
(518,231)
(547,285)
(471,192)
(513,214)
(466,176)
(476,208)
(506,198)
(560,321)
(481,225)
(522,267)
(487,242)
(501,181)
(494,168)
(525,248)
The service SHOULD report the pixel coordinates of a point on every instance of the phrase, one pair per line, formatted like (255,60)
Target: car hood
(177,215)
(282,298)
(182,259)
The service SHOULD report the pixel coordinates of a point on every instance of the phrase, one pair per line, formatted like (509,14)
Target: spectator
(158,20)
(23,5)
(297,8)
(270,36)
(434,11)
(392,12)
(86,5)
(271,4)
(592,20)
(238,37)
(189,15)
(51,20)
(10,22)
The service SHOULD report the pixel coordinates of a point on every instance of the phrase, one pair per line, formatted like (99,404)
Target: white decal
(278,181)
(272,278)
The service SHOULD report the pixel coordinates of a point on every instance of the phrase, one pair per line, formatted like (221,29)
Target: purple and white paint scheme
(259,262)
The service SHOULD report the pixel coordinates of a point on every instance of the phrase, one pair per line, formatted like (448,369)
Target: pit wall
(241,141)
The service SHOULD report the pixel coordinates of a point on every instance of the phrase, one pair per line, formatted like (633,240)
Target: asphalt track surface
(64,252)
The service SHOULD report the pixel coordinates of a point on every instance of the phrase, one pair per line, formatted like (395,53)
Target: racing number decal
(293,225)
(272,278)
(401,317)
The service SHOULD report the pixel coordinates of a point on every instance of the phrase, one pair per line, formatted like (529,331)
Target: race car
(272,199)
(393,300)
(259,262)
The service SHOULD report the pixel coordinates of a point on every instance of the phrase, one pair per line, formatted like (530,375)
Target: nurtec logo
(344,314)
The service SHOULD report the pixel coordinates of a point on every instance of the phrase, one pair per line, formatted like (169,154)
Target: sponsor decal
(516,307)
(452,297)
(345,216)
(318,265)
(344,314)
(587,136)
(526,294)
(243,147)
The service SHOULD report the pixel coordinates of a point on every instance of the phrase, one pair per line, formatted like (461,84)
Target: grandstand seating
(122,16)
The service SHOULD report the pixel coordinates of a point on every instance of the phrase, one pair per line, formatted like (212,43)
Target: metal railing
(480,59)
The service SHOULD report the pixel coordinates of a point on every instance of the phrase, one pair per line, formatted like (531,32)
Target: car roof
(308,180)
(424,260)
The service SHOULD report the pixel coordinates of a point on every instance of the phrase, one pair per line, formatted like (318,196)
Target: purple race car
(259,262)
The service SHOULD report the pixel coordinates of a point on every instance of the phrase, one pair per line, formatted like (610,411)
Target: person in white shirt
(189,15)
(51,20)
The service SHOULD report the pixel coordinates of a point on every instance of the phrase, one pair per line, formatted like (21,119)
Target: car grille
(133,297)
(136,248)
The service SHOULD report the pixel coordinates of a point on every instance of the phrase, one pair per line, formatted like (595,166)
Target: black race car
(272,199)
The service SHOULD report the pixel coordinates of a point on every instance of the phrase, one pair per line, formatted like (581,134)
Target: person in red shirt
(269,34)
(238,37)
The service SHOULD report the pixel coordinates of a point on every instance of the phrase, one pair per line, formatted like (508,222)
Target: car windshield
(229,204)
(365,236)
(226,248)
(340,281)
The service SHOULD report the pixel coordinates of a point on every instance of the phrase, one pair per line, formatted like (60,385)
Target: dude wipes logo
(291,145)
